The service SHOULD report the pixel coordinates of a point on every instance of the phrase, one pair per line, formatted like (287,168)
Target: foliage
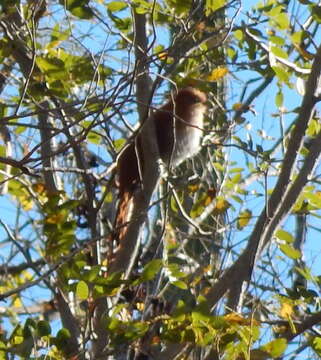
(227,264)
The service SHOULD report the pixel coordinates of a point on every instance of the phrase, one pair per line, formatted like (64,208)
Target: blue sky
(264,106)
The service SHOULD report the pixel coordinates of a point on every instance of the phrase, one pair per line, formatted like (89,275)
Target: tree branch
(125,257)
(280,203)
(276,209)
(46,149)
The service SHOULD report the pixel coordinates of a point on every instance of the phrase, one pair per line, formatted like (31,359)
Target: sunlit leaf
(221,206)
(180,284)
(284,235)
(94,138)
(115,6)
(277,51)
(82,290)
(275,347)
(290,251)
(281,73)
(180,6)
(277,40)
(279,99)
(316,344)
(314,198)
(286,310)
(213,5)
(235,318)
(282,21)
(50,63)
(244,218)
(238,34)
(217,74)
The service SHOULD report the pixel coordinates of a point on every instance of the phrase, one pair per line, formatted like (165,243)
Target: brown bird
(178,127)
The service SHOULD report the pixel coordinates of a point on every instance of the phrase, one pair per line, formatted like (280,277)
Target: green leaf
(290,252)
(93,273)
(236,178)
(82,290)
(78,8)
(231,53)
(181,311)
(316,345)
(314,199)
(282,21)
(180,7)
(115,6)
(119,143)
(62,338)
(82,12)
(48,64)
(239,35)
(306,273)
(277,40)
(279,99)
(151,269)
(316,13)
(58,35)
(43,328)
(297,37)
(277,51)
(284,235)
(281,73)
(236,170)
(213,5)
(3,351)
(94,138)
(180,284)
(175,270)
(275,347)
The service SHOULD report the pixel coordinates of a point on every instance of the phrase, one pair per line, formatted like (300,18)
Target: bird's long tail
(123,216)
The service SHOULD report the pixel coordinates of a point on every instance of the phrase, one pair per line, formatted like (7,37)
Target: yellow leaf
(55,218)
(237,106)
(221,206)
(140,306)
(211,194)
(207,200)
(193,188)
(244,218)
(235,318)
(163,55)
(217,74)
(26,203)
(286,310)
(17,302)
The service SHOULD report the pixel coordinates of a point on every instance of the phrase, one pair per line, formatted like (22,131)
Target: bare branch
(46,149)
(275,210)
